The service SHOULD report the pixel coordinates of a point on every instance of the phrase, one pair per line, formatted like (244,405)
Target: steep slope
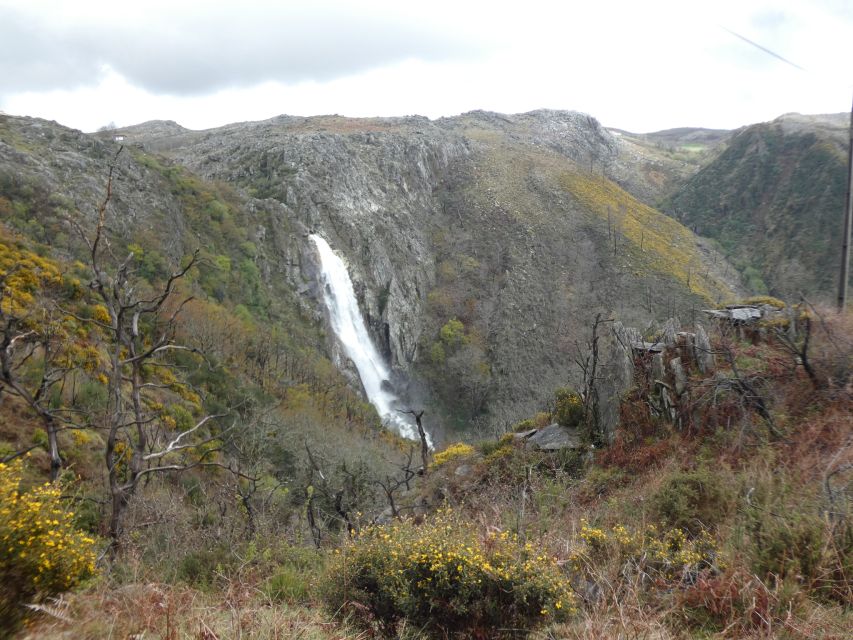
(774,200)
(265,349)
(507,225)
(651,166)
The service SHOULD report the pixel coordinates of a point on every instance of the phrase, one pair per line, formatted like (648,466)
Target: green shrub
(507,461)
(601,481)
(569,461)
(524,425)
(40,438)
(792,539)
(452,333)
(7,449)
(91,395)
(437,355)
(787,544)
(444,577)
(500,447)
(200,567)
(287,585)
(693,500)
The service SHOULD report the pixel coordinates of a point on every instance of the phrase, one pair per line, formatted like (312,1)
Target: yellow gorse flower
(40,548)
(669,553)
(446,560)
(453,452)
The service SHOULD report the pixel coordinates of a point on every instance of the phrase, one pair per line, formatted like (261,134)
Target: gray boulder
(553,438)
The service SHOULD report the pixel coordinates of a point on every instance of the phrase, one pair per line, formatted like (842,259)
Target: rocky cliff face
(481,246)
(61,173)
(509,224)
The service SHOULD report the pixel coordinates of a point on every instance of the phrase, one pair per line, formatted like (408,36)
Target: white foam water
(348,325)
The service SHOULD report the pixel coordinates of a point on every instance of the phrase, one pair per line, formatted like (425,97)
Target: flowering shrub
(22,275)
(669,554)
(569,410)
(454,451)
(446,577)
(41,552)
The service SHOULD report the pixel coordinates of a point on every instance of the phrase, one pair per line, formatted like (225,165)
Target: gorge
(320,276)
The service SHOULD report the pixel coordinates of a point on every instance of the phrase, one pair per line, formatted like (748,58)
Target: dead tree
(800,350)
(334,496)
(588,363)
(406,468)
(13,341)
(418,415)
(745,387)
(139,334)
(391,484)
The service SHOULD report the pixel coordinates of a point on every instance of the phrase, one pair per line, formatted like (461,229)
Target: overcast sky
(637,65)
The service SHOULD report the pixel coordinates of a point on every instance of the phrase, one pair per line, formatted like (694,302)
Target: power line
(847,224)
(764,49)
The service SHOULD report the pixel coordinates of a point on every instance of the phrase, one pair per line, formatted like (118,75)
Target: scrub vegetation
(180,458)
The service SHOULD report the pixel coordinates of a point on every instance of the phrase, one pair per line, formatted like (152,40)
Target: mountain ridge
(474,218)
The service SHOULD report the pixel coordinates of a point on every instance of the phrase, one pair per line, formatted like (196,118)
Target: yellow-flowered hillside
(23,274)
(650,240)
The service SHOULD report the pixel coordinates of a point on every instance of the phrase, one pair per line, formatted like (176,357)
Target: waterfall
(349,327)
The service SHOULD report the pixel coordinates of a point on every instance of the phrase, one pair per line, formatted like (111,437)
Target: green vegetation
(653,241)
(242,481)
(569,409)
(730,519)
(479,584)
(693,500)
(772,199)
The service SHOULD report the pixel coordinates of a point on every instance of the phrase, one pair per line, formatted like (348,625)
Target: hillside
(728,517)
(654,165)
(240,380)
(509,224)
(186,449)
(774,200)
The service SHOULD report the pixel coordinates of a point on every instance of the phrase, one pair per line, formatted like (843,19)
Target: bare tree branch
(175,445)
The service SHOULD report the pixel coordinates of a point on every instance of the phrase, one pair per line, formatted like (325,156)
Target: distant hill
(774,200)
(681,137)
(656,164)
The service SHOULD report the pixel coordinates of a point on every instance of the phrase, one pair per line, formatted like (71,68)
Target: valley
(399,377)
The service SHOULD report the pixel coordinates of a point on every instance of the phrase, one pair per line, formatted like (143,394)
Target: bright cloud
(639,66)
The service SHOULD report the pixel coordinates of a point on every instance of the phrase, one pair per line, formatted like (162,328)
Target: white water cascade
(349,327)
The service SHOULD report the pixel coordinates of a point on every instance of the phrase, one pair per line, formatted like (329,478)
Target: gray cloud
(33,59)
(185,54)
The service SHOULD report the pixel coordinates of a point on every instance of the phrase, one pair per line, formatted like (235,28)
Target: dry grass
(170,612)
